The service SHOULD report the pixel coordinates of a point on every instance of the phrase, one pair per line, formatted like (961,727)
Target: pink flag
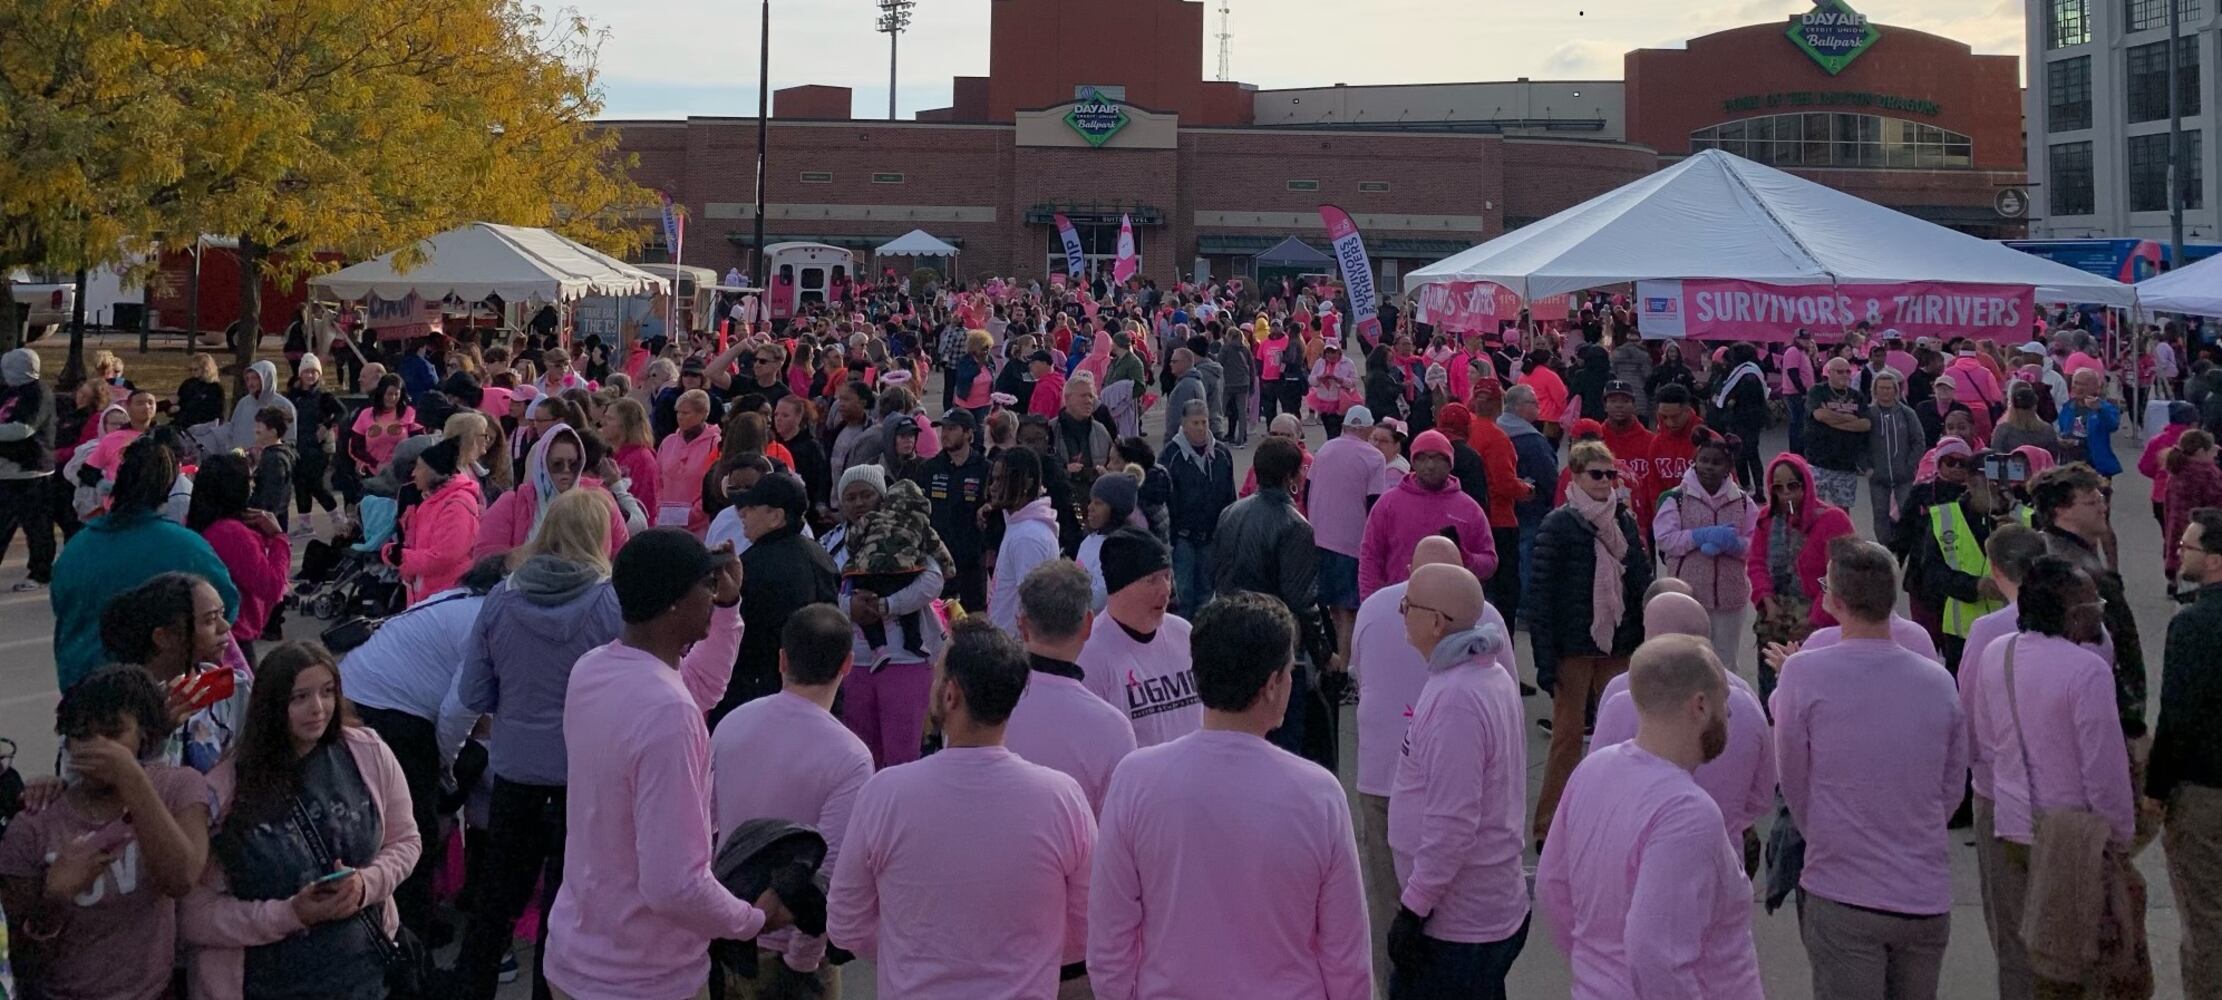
(1128,263)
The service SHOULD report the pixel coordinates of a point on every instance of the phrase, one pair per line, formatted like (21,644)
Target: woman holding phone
(316,833)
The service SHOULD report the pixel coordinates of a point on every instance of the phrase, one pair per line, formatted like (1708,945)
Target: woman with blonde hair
(556,605)
(624,429)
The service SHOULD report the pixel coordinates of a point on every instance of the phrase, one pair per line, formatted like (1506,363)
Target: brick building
(1098,108)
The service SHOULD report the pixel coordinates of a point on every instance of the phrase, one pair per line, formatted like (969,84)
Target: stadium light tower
(894,19)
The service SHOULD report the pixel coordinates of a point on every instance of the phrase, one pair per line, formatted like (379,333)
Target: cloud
(1587,60)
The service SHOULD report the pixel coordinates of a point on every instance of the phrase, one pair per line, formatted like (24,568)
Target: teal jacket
(112,555)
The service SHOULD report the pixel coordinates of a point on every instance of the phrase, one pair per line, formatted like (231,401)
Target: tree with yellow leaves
(361,126)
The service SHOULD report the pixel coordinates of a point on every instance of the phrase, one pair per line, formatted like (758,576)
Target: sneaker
(27,586)
(508,972)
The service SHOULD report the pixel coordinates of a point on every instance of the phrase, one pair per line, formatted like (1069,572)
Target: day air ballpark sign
(1832,34)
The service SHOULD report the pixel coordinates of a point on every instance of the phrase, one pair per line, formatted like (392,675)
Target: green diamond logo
(1832,34)
(1097,118)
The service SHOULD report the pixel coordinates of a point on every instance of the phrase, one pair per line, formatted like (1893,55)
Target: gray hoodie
(517,661)
(26,418)
(1895,445)
(242,425)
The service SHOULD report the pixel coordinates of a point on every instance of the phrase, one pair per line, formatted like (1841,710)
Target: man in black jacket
(956,482)
(1202,473)
(781,573)
(1263,544)
(2071,502)
(26,463)
(2186,769)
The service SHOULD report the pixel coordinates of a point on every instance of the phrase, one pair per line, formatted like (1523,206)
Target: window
(2145,14)
(2070,23)
(2068,94)
(2147,66)
(1373,187)
(1303,185)
(2069,179)
(817,177)
(887,178)
(2148,172)
(1838,140)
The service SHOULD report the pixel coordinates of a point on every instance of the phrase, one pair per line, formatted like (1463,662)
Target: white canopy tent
(482,259)
(2194,290)
(1715,215)
(916,243)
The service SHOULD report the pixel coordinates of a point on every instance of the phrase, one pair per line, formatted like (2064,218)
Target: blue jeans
(1456,971)
(1191,576)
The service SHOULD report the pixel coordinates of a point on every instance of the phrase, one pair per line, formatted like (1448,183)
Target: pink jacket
(1822,524)
(1411,512)
(639,463)
(508,523)
(1686,508)
(219,927)
(680,466)
(260,565)
(2149,463)
(438,535)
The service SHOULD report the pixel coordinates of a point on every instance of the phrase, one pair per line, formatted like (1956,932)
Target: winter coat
(1683,513)
(26,418)
(1558,602)
(781,573)
(111,555)
(1586,386)
(1029,539)
(273,479)
(517,661)
(259,564)
(1200,491)
(507,522)
(1821,522)
(1500,466)
(1895,444)
(1410,512)
(438,534)
(2196,485)
(1190,387)
(1538,464)
(1238,366)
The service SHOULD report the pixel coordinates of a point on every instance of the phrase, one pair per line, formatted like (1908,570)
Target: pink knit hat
(1431,442)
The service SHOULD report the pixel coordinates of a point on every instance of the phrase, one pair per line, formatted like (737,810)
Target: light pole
(763,134)
(2175,148)
(894,19)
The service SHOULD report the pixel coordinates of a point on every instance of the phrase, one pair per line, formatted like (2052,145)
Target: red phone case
(207,688)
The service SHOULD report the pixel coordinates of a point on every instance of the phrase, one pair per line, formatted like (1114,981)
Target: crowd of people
(733,635)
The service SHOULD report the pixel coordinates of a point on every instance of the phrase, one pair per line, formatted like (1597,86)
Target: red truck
(169,290)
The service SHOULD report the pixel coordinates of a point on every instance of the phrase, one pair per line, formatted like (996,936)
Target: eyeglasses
(1404,606)
(1602,475)
(2188,547)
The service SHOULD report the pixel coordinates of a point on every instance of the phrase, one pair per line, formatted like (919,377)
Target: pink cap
(1431,443)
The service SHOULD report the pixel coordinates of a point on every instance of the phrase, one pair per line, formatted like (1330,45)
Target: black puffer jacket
(780,574)
(1557,601)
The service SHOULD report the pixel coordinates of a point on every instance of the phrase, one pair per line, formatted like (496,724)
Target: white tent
(2194,289)
(482,259)
(916,243)
(1715,215)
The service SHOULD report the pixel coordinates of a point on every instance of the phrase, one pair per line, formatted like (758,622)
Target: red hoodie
(1662,469)
(1501,467)
(1821,522)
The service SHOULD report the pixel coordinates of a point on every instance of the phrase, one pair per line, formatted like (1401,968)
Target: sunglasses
(564,465)
(1953,462)
(1602,475)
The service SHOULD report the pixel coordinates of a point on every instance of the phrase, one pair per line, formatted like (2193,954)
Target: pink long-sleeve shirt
(964,876)
(639,907)
(1741,780)
(1903,631)
(2066,696)
(1871,750)
(1638,886)
(1226,867)
(1152,682)
(1458,811)
(260,566)
(785,758)
(1390,675)
(1980,635)
(1062,725)
(1346,471)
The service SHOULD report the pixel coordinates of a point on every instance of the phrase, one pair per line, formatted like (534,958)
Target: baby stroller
(339,579)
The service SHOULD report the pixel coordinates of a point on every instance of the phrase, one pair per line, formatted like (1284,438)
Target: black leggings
(308,482)
(1749,472)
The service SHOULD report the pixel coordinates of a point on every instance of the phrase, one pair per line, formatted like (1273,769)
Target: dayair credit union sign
(1097,118)
(1832,34)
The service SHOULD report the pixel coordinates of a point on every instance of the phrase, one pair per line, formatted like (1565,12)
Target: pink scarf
(1606,602)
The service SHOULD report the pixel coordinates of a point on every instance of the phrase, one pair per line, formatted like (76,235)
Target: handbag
(2080,916)
(408,963)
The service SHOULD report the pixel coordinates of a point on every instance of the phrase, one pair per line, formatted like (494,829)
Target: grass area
(159,370)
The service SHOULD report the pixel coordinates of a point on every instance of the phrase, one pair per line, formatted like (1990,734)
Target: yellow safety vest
(1961,552)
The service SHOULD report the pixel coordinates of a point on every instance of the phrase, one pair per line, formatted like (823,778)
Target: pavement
(28,697)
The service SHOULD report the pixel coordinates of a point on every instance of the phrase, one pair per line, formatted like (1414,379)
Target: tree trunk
(18,316)
(250,313)
(73,369)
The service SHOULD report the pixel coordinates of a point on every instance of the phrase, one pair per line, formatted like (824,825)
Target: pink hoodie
(1411,512)
(1458,809)
(1821,523)
(260,565)
(438,536)
(680,466)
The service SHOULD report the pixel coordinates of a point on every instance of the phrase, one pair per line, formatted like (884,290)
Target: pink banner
(1742,310)
(1480,306)
(1357,271)
(1127,263)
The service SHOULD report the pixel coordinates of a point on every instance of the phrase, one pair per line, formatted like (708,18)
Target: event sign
(1832,34)
(1097,118)
(1357,272)
(1479,306)
(406,318)
(1714,309)
(1075,261)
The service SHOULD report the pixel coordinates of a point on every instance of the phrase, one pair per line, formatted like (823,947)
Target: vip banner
(1714,309)
(1479,306)
(1357,272)
(1128,263)
(1075,262)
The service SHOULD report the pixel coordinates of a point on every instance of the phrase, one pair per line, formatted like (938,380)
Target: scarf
(1188,451)
(1483,640)
(1606,601)
(1720,398)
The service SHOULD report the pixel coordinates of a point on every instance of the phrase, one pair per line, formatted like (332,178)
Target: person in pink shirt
(1136,657)
(1059,723)
(625,433)
(1424,503)
(1903,631)
(2048,727)
(1637,885)
(964,875)
(1345,475)
(1741,780)
(1978,388)
(1458,805)
(638,907)
(1871,749)
(1226,866)
(682,460)
(786,757)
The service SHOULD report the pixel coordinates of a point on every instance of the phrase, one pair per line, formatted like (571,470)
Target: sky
(673,58)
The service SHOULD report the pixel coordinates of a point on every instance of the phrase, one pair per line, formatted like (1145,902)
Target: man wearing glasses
(2072,502)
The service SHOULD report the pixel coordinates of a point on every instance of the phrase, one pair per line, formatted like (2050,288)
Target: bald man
(1390,674)
(1742,779)
(1636,885)
(1459,801)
